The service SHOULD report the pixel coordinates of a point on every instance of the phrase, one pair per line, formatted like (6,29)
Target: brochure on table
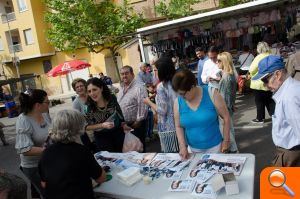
(170,166)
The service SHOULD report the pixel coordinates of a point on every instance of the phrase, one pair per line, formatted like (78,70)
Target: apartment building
(23,41)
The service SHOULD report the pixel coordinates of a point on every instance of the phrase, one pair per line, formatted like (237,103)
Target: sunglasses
(267,78)
(219,61)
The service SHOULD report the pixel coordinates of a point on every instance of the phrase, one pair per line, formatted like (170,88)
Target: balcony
(8,17)
(15,48)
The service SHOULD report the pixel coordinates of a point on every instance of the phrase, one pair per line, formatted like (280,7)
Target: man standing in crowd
(200,53)
(211,72)
(130,98)
(293,63)
(285,126)
(143,76)
(105,79)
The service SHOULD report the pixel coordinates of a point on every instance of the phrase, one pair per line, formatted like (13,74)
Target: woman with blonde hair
(263,97)
(227,88)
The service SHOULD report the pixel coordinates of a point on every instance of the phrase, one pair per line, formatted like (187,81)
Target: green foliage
(84,23)
(176,8)
(227,3)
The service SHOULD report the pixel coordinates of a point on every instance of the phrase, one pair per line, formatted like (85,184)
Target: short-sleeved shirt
(30,134)
(67,170)
(79,105)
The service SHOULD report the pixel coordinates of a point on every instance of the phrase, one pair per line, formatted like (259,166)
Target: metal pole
(14,53)
(141,47)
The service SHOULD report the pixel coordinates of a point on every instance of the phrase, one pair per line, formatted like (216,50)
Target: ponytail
(27,101)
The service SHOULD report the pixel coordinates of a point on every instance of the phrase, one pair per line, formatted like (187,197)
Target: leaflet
(204,190)
(219,163)
(182,185)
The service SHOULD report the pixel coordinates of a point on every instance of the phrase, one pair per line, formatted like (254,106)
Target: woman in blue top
(196,117)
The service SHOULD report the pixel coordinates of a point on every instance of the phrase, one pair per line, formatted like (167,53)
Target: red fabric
(67,67)
(241,82)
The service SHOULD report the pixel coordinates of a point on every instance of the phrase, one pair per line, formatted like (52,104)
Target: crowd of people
(194,114)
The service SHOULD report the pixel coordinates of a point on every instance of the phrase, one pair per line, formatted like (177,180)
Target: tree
(227,3)
(91,24)
(176,8)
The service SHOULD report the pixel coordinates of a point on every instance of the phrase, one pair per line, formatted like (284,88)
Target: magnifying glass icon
(277,179)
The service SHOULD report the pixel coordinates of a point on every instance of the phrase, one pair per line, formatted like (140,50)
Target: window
(1,45)
(28,36)
(47,66)
(22,5)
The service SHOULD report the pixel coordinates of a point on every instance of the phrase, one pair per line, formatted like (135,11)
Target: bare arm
(224,114)
(102,178)
(104,125)
(180,133)
(34,151)
(150,103)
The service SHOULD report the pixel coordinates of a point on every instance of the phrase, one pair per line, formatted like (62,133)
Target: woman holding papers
(104,117)
(196,117)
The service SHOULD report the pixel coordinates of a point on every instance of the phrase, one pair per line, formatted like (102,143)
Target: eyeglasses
(267,78)
(79,86)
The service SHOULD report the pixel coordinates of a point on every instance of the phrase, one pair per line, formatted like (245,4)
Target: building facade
(25,52)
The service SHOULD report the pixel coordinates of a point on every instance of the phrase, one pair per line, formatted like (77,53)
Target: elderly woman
(196,117)
(227,88)
(164,105)
(66,167)
(263,97)
(79,103)
(79,86)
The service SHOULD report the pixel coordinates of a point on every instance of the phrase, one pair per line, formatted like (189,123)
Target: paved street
(251,138)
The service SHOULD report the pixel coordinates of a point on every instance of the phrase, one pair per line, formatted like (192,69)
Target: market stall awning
(224,12)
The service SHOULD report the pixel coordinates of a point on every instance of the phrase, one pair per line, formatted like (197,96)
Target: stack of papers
(129,176)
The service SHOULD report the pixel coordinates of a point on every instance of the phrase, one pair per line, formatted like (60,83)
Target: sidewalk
(11,122)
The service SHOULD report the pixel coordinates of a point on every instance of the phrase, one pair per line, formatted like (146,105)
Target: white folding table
(158,188)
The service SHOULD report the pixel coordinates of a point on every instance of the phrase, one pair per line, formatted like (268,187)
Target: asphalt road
(251,138)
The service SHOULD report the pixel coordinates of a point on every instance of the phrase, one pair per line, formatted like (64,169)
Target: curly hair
(106,93)
(77,80)
(67,126)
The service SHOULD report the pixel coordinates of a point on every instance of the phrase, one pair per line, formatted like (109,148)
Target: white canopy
(216,14)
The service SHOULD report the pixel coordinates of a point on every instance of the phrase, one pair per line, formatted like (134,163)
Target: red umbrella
(67,67)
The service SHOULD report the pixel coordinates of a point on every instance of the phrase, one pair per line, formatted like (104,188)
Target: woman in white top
(245,60)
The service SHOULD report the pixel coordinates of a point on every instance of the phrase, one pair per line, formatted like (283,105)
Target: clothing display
(272,25)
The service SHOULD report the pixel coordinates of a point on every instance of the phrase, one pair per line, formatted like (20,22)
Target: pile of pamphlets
(129,176)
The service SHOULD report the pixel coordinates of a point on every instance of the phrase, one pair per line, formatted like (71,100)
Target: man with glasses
(210,74)
(286,118)
(130,99)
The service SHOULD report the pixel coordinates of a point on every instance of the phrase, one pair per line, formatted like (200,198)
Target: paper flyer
(199,175)
(204,190)
(219,163)
(174,175)
(170,161)
(182,185)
